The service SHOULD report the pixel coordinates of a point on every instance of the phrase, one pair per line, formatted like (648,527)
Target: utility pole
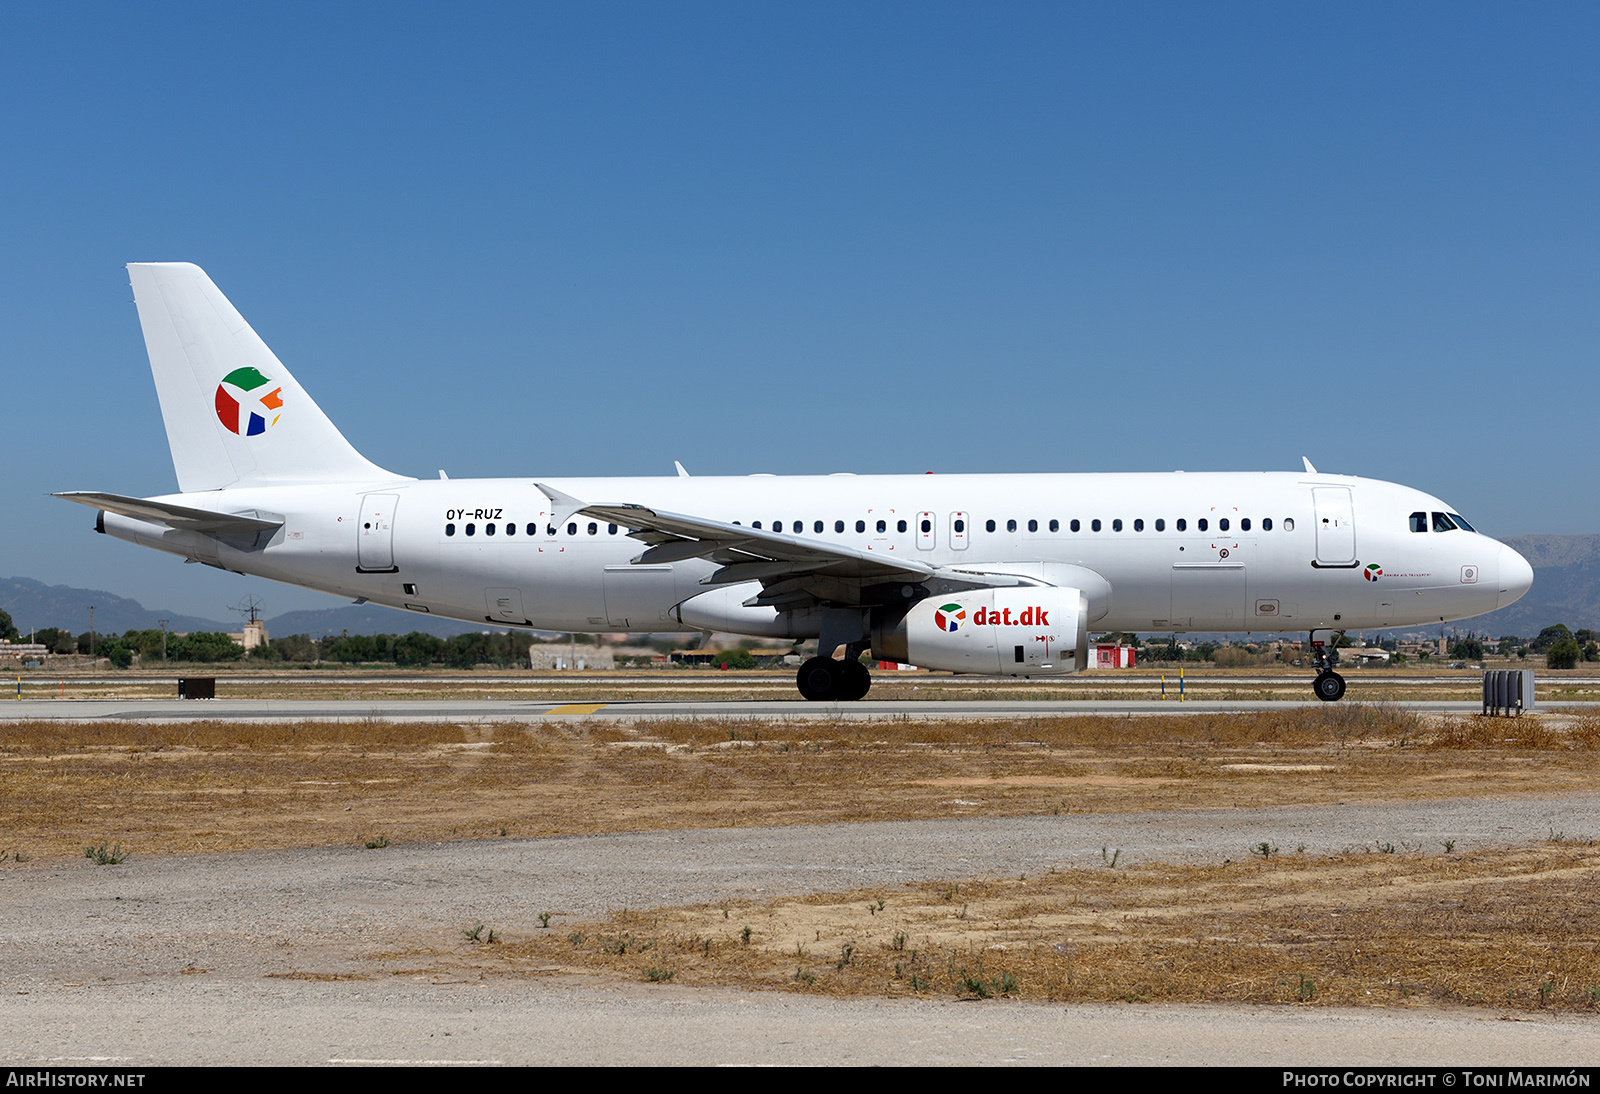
(91,632)
(164,623)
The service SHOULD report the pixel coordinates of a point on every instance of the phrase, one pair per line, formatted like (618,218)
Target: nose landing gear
(1329,685)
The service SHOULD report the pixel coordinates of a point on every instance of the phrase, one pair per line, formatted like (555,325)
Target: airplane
(999,575)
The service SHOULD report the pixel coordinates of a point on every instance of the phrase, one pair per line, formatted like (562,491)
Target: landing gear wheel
(820,679)
(855,680)
(1329,686)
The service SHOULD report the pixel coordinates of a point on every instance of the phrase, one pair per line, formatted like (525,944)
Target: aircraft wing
(794,571)
(167,515)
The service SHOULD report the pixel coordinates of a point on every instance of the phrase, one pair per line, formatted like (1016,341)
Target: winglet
(562,505)
(1309,469)
(682,472)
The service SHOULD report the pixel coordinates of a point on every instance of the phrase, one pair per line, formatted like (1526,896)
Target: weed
(544,920)
(1592,993)
(1557,837)
(900,940)
(103,855)
(963,912)
(847,956)
(576,938)
(659,976)
(1110,857)
(1449,846)
(1307,988)
(1301,849)
(918,983)
(968,984)
(744,937)
(474,933)
(804,977)
(1385,847)
(875,908)
(1264,849)
(374,844)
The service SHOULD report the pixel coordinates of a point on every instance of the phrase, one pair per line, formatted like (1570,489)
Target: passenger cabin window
(1419,522)
(817,527)
(961,526)
(511,529)
(1116,525)
(1161,524)
(1033,526)
(533,529)
(1011,526)
(838,526)
(1183,525)
(1266,524)
(611,529)
(1055,526)
(988,526)
(755,524)
(472,529)
(1202,524)
(861,526)
(927,525)
(1095,524)
(883,526)
(1288,524)
(1138,525)
(488,529)
(901,526)
(1222,525)
(550,530)
(1076,526)
(572,529)
(449,529)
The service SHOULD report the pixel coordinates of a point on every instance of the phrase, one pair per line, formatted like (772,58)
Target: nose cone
(1516,576)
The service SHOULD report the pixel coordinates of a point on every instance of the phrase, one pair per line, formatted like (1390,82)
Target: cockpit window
(1442,523)
(1462,524)
(1419,522)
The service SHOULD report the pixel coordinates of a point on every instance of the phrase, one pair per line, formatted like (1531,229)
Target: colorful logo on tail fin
(247,403)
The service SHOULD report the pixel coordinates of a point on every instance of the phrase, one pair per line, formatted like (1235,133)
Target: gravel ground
(173,959)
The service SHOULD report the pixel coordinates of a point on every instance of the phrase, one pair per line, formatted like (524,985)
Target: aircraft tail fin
(235,415)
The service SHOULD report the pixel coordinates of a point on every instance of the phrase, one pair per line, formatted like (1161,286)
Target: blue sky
(595,238)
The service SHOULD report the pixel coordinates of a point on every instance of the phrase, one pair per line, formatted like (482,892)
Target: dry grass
(232,786)
(1512,928)
(1506,927)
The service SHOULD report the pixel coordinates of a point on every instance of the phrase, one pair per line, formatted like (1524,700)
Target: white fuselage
(1180,552)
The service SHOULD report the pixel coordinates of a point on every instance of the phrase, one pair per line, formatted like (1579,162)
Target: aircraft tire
(855,681)
(820,680)
(1329,686)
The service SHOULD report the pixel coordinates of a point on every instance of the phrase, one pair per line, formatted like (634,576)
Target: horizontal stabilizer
(179,517)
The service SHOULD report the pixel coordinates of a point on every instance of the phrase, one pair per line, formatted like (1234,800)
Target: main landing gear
(824,679)
(1329,685)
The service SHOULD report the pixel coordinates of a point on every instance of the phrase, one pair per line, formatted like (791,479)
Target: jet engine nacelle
(1027,631)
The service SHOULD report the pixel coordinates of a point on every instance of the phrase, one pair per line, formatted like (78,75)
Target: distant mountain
(1566,588)
(34,605)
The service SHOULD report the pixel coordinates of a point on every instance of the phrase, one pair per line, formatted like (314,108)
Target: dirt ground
(1512,926)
